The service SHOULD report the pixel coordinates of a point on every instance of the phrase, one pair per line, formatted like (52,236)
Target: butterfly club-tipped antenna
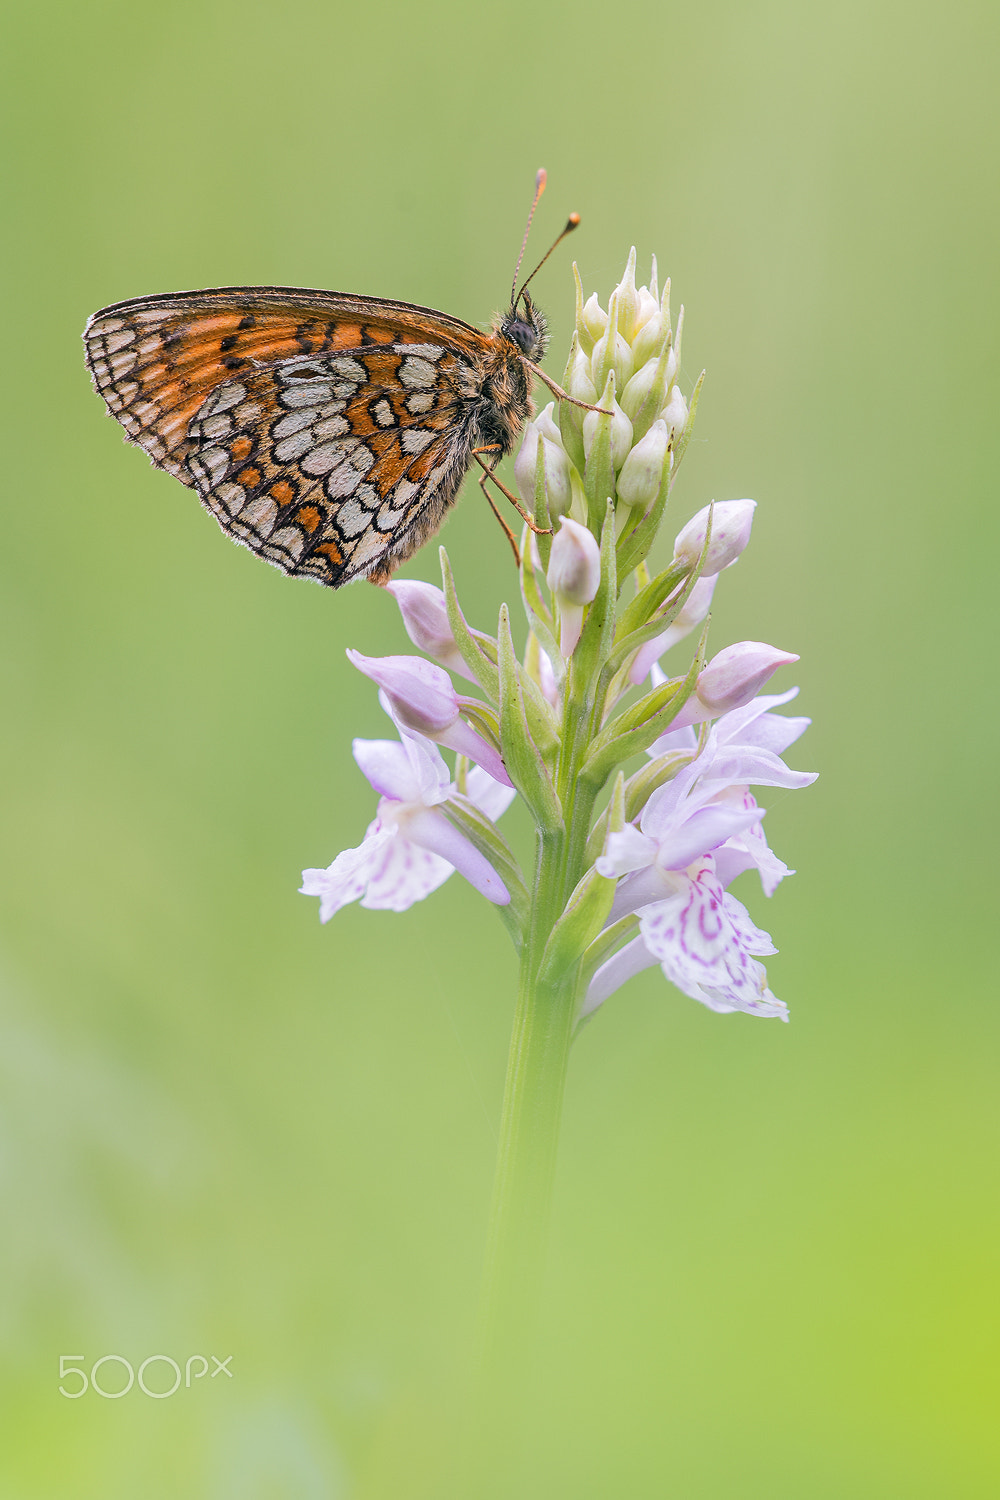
(541,177)
(571,224)
(515,296)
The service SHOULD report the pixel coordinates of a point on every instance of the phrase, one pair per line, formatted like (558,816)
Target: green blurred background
(227,1130)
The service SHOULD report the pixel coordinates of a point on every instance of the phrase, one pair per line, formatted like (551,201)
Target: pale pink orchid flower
(411,847)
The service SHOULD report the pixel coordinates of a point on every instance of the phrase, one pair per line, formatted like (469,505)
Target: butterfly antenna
(540,180)
(571,224)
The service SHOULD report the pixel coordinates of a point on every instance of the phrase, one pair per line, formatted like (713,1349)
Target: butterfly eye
(524,335)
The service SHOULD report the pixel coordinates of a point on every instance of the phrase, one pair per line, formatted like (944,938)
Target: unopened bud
(738,673)
(425,620)
(555,468)
(595,319)
(649,339)
(547,425)
(421,698)
(675,413)
(731,680)
(578,379)
(574,563)
(731,524)
(621,434)
(642,472)
(636,393)
(574,576)
(647,306)
(611,352)
(643,397)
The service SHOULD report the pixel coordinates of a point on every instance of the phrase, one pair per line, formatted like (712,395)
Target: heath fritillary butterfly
(327,432)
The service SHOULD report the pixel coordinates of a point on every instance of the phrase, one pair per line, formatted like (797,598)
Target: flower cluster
(638,782)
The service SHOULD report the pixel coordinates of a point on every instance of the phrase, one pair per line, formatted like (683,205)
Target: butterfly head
(526,326)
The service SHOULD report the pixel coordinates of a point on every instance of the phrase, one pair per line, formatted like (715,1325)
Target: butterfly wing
(326,432)
(337,466)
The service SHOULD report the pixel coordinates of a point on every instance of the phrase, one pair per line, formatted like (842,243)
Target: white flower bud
(578,379)
(555,466)
(731,523)
(574,572)
(628,300)
(595,319)
(675,413)
(617,357)
(621,434)
(558,489)
(524,463)
(646,306)
(646,391)
(547,425)
(639,387)
(574,577)
(649,339)
(642,472)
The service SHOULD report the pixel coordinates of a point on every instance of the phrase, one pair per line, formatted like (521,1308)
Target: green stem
(529,1130)
(536,1070)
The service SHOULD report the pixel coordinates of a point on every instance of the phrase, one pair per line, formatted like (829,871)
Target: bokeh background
(227,1130)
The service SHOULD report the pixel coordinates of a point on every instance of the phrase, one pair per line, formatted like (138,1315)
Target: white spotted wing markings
(297,414)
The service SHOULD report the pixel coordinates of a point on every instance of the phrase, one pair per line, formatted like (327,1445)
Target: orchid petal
(751,849)
(407,772)
(421,693)
(463,738)
(433,832)
(612,974)
(748,765)
(626,851)
(643,888)
(489,795)
(703,831)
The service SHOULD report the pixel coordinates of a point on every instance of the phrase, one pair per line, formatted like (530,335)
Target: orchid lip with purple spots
(694,836)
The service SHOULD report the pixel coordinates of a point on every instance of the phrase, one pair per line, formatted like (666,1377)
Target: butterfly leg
(557,390)
(503,524)
(540,530)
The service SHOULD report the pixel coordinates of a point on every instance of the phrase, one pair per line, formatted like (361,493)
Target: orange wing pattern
(328,433)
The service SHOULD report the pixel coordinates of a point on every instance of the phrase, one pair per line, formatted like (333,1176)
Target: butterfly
(327,432)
